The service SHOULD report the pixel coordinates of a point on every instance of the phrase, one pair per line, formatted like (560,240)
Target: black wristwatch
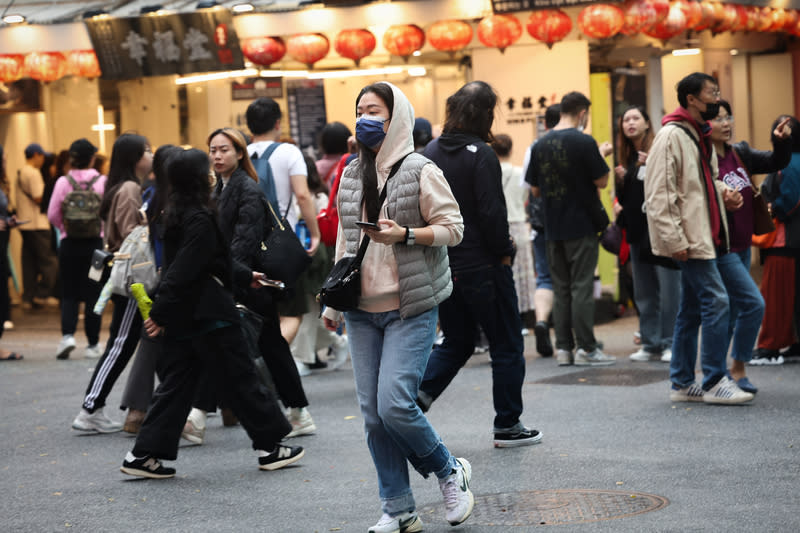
(410,239)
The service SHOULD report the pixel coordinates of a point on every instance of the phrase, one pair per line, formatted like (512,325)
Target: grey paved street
(611,438)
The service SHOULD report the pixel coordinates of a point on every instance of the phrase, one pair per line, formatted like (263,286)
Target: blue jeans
(485,297)
(656,290)
(543,279)
(746,304)
(704,300)
(389,357)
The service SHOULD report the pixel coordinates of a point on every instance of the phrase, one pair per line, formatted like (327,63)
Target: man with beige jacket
(685,207)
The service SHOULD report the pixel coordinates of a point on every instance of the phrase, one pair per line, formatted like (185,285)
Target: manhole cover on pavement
(615,377)
(553,507)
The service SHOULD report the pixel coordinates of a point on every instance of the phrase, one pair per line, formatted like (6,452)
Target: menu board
(158,45)
(253,88)
(307,116)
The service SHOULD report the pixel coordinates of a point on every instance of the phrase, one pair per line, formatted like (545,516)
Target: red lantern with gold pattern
(354,44)
(711,11)
(12,67)
(450,35)
(308,48)
(639,15)
(263,51)
(549,26)
(45,66)
(403,39)
(83,63)
(601,21)
(499,31)
(726,19)
(693,12)
(671,26)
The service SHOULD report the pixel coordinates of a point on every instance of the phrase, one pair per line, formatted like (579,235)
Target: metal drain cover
(553,507)
(615,377)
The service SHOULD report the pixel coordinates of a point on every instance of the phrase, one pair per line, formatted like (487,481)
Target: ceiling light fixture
(13,19)
(242,8)
(686,52)
(185,80)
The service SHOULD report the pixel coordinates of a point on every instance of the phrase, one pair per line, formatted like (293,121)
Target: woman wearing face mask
(131,162)
(655,285)
(404,276)
(737,163)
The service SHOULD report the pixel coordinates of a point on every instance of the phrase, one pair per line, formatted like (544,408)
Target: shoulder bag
(342,288)
(762,218)
(281,255)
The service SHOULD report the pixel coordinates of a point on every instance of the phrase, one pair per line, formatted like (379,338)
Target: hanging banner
(307,115)
(159,45)
(512,6)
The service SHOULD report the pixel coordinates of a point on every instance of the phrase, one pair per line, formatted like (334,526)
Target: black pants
(142,377)
(219,353)
(74,260)
(39,265)
(5,301)
(126,325)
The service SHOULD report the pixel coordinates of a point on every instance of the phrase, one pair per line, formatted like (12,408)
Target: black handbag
(342,288)
(281,256)
(251,324)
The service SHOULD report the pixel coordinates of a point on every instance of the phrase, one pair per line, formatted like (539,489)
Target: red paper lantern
(601,21)
(450,35)
(308,48)
(693,12)
(354,44)
(549,26)
(639,15)
(662,9)
(12,67)
(499,31)
(792,17)
(403,39)
(711,11)
(741,19)
(83,63)
(263,51)
(45,66)
(671,26)
(777,17)
(726,19)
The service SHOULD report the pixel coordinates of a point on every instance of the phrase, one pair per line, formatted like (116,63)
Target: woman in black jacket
(243,220)
(195,311)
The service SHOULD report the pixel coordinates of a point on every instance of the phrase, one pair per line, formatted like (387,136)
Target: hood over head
(399,140)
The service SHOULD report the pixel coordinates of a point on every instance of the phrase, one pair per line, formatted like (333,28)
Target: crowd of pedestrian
(451,237)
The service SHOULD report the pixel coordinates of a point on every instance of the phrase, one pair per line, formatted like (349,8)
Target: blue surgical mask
(369,130)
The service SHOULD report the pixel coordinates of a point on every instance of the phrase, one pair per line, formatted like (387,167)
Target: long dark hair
(161,181)
(625,147)
(189,185)
(62,163)
(128,150)
(471,110)
(366,157)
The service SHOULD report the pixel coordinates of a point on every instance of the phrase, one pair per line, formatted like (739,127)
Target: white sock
(198,417)
(130,457)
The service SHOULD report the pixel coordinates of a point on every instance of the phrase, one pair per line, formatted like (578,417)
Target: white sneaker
(727,392)
(193,432)
(564,357)
(642,356)
(692,393)
(302,423)
(8,324)
(92,352)
(594,358)
(96,422)
(458,499)
(402,523)
(666,355)
(302,368)
(66,346)
(341,351)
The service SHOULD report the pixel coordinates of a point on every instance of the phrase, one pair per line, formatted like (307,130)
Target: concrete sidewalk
(616,455)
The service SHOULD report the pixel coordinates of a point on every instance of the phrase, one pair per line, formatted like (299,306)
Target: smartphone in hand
(274,283)
(368,225)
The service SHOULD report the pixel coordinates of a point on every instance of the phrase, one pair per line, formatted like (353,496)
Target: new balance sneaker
(692,393)
(516,437)
(458,499)
(402,523)
(543,344)
(666,355)
(66,346)
(726,392)
(193,432)
(92,352)
(564,357)
(149,467)
(96,422)
(280,457)
(641,356)
(302,423)
(593,358)
(764,357)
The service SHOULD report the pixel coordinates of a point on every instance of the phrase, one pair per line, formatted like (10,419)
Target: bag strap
(335,184)
(365,241)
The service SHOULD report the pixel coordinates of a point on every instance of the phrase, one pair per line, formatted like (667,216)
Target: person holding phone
(404,277)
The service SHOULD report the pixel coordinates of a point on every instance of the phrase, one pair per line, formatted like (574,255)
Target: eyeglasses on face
(728,118)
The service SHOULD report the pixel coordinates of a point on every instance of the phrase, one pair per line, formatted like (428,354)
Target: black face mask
(711,112)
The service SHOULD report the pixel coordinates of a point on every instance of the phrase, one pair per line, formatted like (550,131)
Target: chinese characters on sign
(134,47)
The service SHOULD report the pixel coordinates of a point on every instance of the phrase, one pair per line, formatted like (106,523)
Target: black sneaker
(543,344)
(524,437)
(146,467)
(282,456)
